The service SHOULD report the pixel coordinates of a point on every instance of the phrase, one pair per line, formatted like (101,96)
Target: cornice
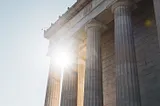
(69,14)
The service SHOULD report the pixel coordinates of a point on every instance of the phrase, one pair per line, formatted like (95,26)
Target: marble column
(127,85)
(93,94)
(69,88)
(53,89)
(70,77)
(48,91)
(157,15)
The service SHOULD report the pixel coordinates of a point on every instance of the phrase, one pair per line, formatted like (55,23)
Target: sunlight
(62,57)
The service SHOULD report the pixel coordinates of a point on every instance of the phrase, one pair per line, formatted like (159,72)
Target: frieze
(87,9)
(78,22)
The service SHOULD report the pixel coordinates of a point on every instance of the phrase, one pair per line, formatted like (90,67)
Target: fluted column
(127,84)
(48,92)
(53,88)
(70,77)
(93,94)
(157,15)
(69,88)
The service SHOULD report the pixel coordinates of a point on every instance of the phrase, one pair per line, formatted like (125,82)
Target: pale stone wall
(81,76)
(108,68)
(147,50)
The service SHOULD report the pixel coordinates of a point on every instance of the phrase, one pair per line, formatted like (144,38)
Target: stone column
(53,89)
(70,77)
(69,88)
(157,15)
(93,94)
(127,85)
(48,92)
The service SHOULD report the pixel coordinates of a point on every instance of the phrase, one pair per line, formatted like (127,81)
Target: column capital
(127,3)
(94,23)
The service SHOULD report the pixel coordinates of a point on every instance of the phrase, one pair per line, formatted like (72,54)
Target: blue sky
(23,61)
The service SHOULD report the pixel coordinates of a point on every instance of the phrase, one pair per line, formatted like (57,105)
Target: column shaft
(70,77)
(93,94)
(48,92)
(53,90)
(69,89)
(126,69)
(157,15)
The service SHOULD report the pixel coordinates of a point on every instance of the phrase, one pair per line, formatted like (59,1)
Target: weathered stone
(53,88)
(93,94)
(127,85)
(69,89)
(157,14)
(146,45)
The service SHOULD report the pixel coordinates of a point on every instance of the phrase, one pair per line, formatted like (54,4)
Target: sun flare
(62,57)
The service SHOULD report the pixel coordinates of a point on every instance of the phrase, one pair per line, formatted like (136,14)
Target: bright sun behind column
(62,57)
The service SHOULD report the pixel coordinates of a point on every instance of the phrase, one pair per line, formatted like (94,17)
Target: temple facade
(116,50)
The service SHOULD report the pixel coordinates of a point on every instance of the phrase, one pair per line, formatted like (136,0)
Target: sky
(24,65)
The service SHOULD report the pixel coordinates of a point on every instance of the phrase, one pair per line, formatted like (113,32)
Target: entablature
(95,9)
(92,10)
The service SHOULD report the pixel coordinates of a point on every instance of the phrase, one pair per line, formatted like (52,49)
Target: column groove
(69,88)
(128,93)
(52,91)
(93,94)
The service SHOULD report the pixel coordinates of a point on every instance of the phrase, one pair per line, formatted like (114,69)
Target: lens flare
(62,57)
